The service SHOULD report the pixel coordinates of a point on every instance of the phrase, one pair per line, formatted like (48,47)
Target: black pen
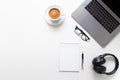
(82,61)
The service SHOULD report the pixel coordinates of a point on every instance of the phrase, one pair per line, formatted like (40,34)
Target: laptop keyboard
(102,16)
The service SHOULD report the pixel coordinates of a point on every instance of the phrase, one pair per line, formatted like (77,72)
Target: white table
(29,47)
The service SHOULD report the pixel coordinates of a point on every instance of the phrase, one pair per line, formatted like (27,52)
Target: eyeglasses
(80,33)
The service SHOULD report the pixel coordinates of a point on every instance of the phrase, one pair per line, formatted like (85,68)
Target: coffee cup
(54,14)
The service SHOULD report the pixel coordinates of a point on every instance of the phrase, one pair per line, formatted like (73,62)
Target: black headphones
(98,61)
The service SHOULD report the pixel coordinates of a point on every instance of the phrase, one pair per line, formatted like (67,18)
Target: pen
(82,61)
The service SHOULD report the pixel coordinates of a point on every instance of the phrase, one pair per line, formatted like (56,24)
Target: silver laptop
(100,18)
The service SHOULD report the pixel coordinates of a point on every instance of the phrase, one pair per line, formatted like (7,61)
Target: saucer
(58,22)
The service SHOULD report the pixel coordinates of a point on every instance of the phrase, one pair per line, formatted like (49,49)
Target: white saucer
(55,22)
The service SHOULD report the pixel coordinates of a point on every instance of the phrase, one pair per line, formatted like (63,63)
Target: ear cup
(98,60)
(99,69)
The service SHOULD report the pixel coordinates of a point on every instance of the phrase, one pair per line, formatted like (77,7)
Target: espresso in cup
(54,14)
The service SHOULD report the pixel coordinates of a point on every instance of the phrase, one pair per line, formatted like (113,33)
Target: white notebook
(69,57)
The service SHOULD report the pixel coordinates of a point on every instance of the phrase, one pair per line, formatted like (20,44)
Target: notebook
(69,57)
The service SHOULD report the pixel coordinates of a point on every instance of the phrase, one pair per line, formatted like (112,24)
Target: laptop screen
(114,5)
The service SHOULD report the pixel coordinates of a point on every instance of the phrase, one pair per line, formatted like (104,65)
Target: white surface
(29,46)
(69,57)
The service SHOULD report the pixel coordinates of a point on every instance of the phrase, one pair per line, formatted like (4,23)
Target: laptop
(100,18)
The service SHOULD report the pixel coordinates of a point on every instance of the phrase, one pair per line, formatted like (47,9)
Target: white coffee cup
(54,13)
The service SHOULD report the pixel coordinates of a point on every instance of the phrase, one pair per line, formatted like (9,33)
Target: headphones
(98,61)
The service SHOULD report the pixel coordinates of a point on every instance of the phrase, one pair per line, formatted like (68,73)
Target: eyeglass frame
(82,34)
